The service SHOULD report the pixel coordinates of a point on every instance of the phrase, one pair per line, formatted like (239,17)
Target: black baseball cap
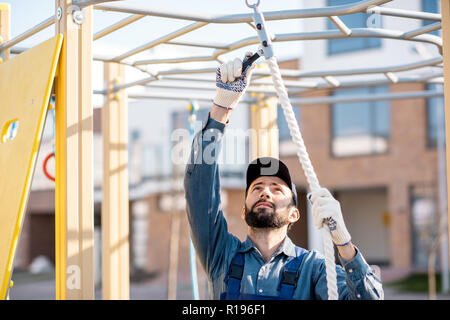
(268,166)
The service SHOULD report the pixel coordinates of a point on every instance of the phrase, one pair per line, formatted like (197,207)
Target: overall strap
(290,274)
(234,276)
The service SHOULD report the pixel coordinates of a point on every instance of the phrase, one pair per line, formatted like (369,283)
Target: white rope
(330,265)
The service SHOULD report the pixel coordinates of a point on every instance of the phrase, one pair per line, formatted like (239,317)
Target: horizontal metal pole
(293,73)
(292,85)
(346,72)
(85,3)
(432,78)
(37,28)
(356,33)
(404,13)
(212,45)
(177,96)
(428,28)
(301,101)
(202,87)
(320,35)
(371,97)
(307,86)
(174,60)
(310,74)
(161,40)
(247,17)
(122,23)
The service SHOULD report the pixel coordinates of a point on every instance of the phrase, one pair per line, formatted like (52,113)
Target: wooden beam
(74,214)
(5,29)
(5,25)
(115,212)
(445,12)
(264,133)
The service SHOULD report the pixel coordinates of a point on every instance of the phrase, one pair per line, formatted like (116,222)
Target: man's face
(269,204)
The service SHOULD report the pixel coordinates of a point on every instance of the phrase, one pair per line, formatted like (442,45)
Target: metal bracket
(77,12)
(263,33)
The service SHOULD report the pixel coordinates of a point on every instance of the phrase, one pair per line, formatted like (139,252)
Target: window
(435,118)
(360,128)
(433,7)
(357,20)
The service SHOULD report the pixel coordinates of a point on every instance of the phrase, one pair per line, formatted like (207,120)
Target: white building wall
(391,52)
(365,215)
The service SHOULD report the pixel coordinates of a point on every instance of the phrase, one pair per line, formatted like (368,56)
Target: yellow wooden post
(5,16)
(445,12)
(264,129)
(115,213)
(74,219)
(5,20)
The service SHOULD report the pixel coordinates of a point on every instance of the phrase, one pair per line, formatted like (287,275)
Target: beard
(265,217)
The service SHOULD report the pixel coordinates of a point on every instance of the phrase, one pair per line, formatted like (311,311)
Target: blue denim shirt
(216,247)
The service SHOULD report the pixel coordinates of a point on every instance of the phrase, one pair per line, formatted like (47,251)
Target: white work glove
(326,209)
(231,82)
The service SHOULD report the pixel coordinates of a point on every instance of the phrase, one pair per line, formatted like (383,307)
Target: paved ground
(42,287)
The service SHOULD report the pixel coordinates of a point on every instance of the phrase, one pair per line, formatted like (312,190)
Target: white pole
(442,200)
(314,236)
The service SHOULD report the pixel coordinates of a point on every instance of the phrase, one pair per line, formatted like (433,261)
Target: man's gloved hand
(231,82)
(326,209)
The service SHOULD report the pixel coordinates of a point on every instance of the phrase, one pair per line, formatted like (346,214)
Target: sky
(27,13)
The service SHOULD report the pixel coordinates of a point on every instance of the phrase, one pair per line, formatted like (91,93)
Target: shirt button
(358,296)
(260,290)
(350,270)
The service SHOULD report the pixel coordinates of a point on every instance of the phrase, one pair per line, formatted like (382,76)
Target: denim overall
(289,277)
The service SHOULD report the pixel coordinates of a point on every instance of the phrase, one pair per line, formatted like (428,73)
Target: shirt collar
(287,247)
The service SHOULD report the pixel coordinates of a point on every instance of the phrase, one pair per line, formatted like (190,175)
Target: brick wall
(406,163)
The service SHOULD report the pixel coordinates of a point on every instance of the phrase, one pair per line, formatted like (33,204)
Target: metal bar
(330,34)
(116,26)
(332,81)
(356,33)
(163,39)
(203,87)
(340,25)
(85,3)
(392,77)
(404,13)
(177,96)
(376,82)
(289,83)
(135,83)
(313,74)
(243,18)
(428,28)
(39,27)
(198,44)
(174,60)
(372,97)
(294,100)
